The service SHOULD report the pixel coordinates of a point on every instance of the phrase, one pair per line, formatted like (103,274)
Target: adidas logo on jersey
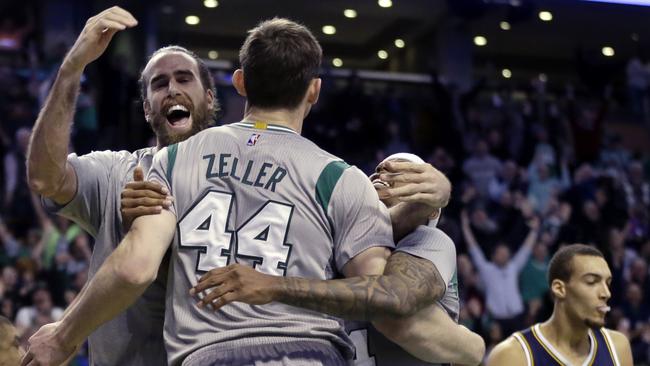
(253,139)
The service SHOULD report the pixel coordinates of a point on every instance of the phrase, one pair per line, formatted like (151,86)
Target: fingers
(211,279)
(146,185)
(145,201)
(403,166)
(224,300)
(118,14)
(404,178)
(111,20)
(214,295)
(407,190)
(138,174)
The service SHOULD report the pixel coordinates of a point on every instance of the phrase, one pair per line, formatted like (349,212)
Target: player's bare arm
(508,352)
(622,346)
(48,172)
(407,285)
(432,336)
(123,277)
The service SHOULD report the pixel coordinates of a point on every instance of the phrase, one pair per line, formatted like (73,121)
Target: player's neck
(292,119)
(565,332)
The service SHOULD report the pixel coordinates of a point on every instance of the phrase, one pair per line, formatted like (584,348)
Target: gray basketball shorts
(292,353)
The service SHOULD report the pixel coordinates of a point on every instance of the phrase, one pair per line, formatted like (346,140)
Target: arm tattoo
(407,285)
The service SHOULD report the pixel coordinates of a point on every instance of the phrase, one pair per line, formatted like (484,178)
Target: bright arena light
(382,54)
(350,13)
(192,20)
(546,16)
(480,41)
(210,3)
(337,62)
(608,51)
(506,73)
(385,3)
(213,55)
(504,25)
(329,29)
(399,43)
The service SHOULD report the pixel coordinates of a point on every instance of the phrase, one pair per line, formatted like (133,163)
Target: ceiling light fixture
(608,51)
(192,20)
(545,16)
(480,41)
(210,3)
(350,13)
(329,29)
(385,3)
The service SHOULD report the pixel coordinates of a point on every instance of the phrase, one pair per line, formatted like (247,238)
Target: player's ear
(238,82)
(209,94)
(147,111)
(558,289)
(313,91)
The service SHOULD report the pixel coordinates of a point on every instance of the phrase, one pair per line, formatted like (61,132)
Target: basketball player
(87,189)
(242,283)
(258,193)
(579,278)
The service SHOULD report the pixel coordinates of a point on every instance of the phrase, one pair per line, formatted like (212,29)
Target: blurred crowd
(521,158)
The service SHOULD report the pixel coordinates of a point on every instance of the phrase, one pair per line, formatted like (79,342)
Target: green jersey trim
(172,150)
(327,181)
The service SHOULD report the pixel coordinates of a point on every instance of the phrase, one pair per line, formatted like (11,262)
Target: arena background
(530,108)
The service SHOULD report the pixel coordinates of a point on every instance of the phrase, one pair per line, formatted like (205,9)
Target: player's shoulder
(434,231)
(428,234)
(507,352)
(619,340)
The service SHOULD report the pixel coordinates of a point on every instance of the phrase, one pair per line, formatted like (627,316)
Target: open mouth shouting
(178,117)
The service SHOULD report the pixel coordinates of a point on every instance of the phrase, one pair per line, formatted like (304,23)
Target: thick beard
(201,119)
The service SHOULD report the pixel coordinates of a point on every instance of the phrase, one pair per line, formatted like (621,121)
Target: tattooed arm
(428,334)
(407,285)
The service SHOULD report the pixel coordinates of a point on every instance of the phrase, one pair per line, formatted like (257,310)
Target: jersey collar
(261,125)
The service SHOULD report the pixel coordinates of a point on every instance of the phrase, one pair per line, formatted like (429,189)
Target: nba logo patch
(253,139)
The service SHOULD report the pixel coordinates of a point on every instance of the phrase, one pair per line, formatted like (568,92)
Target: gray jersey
(430,243)
(133,338)
(264,196)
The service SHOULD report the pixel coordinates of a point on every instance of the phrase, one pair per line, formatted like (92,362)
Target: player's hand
(235,282)
(45,349)
(95,37)
(141,198)
(420,183)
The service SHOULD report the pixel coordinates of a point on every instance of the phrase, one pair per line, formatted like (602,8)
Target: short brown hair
(279,59)
(560,267)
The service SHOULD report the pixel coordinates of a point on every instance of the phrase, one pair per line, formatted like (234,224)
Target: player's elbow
(475,350)
(39,185)
(134,273)
(42,182)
